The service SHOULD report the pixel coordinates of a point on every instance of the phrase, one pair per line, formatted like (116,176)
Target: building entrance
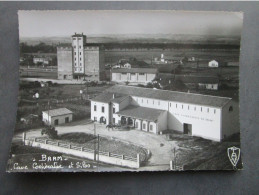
(187,128)
(102,120)
(56,122)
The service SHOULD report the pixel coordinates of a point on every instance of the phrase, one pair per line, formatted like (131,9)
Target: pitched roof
(107,97)
(135,70)
(190,78)
(58,112)
(175,96)
(199,79)
(138,112)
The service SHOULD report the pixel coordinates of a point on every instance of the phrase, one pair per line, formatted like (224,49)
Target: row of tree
(41,47)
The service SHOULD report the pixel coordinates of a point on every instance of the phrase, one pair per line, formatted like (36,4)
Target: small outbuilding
(57,116)
(133,75)
(213,64)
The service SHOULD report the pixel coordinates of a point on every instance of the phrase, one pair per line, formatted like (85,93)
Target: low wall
(106,157)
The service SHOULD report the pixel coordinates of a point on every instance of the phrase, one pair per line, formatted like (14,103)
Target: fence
(72,149)
(147,151)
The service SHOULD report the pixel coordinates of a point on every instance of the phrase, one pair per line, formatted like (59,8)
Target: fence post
(138,160)
(171,165)
(35,139)
(23,136)
(69,146)
(109,154)
(122,157)
(58,143)
(81,148)
(46,141)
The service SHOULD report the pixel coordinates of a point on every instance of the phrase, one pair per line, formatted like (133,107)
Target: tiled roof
(135,70)
(190,78)
(175,96)
(107,97)
(149,114)
(58,112)
(119,99)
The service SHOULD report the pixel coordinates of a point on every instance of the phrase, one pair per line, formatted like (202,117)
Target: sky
(100,22)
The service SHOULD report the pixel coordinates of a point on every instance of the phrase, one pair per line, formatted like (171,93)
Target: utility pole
(49,122)
(94,142)
(98,142)
(174,159)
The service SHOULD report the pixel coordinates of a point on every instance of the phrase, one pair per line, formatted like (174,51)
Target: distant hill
(138,38)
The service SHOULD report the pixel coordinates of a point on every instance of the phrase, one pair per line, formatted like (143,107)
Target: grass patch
(196,153)
(105,144)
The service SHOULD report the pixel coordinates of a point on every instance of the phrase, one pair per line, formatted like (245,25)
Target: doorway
(102,120)
(67,120)
(130,121)
(123,120)
(56,122)
(187,128)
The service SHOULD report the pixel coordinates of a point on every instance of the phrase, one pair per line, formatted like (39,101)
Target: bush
(140,85)
(49,83)
(93,84)
(37,84)
(50,131)
(149,85)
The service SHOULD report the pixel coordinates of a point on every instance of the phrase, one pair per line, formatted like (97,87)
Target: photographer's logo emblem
(234,155)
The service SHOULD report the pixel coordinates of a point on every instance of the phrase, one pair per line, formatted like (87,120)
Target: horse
(109,126)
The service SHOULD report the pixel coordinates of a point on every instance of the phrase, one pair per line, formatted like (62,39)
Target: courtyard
(190,152)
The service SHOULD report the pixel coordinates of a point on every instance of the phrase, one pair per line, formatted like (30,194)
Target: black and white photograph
(125,90)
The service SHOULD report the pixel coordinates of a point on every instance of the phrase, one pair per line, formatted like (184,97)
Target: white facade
(78,53)
(56,120)
(100,112)
(209,122)
(133,77)
(127,65)
(40,60)
(212,86)
(213,64)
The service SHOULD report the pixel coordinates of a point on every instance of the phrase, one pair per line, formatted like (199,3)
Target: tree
(50,131)
(149,85)
(176,85)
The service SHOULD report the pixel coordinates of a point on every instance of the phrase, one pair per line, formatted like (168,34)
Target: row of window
(79,59)
(144,126)
(78,69)
(103,108)
(80,53)
(176,105)
(80,64)
(79,46)
(142,101)
(194,108)
(123,73)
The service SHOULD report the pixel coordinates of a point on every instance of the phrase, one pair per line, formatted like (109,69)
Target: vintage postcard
(127,91)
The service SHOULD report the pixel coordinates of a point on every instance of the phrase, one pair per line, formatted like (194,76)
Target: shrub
(50,131)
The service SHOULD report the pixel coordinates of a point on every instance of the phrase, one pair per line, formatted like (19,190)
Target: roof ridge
(174,91)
